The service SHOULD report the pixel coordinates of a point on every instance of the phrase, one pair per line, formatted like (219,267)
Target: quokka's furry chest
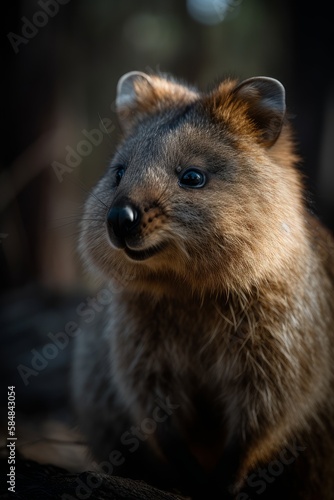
(168,349)
(244,367)
(231,372)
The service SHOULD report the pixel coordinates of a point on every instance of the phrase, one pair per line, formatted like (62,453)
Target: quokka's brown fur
(227,301)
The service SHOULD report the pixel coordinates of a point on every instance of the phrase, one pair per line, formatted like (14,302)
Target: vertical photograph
(167,250)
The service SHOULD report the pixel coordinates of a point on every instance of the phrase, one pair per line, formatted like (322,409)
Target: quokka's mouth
(144,254)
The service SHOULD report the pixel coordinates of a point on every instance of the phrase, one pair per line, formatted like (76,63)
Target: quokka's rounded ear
(266,105)
(129,96)
(139,94)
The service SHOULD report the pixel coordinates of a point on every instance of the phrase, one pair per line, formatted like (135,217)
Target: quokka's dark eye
(192,178)
(120,171)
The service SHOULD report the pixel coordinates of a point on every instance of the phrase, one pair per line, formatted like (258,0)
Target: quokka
(226,306)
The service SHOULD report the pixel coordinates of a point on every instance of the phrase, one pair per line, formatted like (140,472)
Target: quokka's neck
(273,289)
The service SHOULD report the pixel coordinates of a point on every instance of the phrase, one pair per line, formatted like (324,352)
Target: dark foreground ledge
(41,482)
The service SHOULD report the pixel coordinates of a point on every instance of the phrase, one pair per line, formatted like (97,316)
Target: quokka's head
(202,192)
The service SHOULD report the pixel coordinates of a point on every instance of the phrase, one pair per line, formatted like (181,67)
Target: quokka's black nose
(122,220)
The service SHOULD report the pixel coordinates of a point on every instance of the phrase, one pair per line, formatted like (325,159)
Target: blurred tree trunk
(30,110)
(27,112)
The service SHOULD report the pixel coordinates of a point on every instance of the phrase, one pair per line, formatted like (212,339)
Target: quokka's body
(222,331)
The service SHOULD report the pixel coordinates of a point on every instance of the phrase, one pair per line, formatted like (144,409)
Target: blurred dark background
(62,60)
(61,63)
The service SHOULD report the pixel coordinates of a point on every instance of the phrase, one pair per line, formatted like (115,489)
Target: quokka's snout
(132,226)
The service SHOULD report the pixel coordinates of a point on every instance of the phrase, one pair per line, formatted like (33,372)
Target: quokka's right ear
(254,107)
(139,94)
(265,100)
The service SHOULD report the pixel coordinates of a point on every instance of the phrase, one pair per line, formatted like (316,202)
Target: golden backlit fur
(233,317)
